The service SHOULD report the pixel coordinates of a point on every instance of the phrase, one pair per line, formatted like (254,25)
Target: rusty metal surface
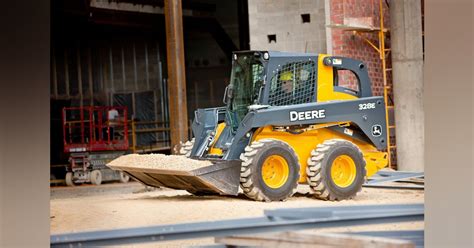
(176,72)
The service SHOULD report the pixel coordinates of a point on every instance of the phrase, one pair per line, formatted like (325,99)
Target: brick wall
(345,43)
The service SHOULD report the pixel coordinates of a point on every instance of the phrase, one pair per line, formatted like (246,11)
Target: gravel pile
(158,161)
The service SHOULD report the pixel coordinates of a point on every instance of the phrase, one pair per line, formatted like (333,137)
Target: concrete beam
(176,73)
(407,62)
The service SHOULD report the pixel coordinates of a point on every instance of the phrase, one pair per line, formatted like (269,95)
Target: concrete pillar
(176,73)
(407,64)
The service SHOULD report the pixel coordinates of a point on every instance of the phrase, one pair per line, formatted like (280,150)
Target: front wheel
(269,171)
(336,170)
(96,177)
(68,179)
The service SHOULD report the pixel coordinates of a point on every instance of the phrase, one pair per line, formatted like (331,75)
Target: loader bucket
(221,177)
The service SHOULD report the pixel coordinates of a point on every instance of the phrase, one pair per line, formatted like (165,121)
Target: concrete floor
(115,205)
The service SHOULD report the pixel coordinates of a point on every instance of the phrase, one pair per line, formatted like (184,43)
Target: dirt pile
(158,161)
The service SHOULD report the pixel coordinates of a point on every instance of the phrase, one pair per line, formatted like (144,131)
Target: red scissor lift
(93,136)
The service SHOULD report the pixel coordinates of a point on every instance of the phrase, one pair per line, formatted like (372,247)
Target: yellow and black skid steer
(288,119)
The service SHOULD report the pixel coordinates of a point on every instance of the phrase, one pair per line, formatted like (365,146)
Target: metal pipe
(176,73)
(55,76)
(66,72)
(124,78)
(157,86)
(89,73)
(63,115)
(79,75)
(91,125)
(146,68)
(135,76)
(111,69)
(82,125)
(134,138)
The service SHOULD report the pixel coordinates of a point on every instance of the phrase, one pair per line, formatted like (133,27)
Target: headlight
(266,56)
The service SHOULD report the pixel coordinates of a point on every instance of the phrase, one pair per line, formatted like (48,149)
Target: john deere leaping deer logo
(376,130)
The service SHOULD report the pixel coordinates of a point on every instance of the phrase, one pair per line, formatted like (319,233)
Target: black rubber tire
(124,178)
(96,177)
(319,170)
(68,179)
(251,180)
(185,148)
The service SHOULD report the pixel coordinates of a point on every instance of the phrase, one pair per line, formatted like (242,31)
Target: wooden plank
(304,239)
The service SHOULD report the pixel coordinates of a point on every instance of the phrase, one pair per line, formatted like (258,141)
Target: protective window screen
(293,84)
(257,70)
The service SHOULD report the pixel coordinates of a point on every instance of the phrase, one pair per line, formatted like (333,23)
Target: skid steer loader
(288,120)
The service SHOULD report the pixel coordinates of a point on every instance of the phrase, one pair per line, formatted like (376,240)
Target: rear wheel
(96,177)
(336,170)
(269,171)
(68,179)
(186,148)
(124,178)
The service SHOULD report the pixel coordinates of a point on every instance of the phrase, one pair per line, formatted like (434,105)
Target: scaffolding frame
(383,54)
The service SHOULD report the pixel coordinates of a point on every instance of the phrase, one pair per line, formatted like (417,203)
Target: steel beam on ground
(239,226)
(394,177)
(176,72)
(391,173)
(383,186)
(342,211)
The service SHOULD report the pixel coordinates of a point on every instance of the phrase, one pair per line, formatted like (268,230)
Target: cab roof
(278,54)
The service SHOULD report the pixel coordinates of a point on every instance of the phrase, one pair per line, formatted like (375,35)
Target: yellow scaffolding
(383,53)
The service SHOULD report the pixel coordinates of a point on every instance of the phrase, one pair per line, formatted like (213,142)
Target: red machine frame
(91,124)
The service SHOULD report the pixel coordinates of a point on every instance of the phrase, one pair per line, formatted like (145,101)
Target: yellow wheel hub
(343,171)
(275,171)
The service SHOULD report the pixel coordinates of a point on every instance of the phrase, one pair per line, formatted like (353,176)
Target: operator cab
(269,78)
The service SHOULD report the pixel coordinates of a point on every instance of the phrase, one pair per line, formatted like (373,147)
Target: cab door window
(346,81)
